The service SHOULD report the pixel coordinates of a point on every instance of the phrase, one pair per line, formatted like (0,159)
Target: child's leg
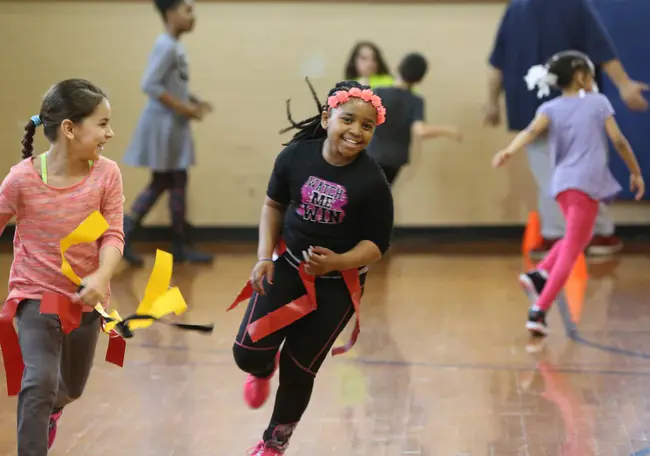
(581,213)
(309,342)
(178,210)
(258,359)
(40,338)
(77,356)
(548,263)
(160,181)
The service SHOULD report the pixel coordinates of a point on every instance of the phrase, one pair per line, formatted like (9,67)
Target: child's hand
(492,114)
(320,261)
(637,183)
(194,111)
(206,107)
(456,135)
(501,158)
(95,288)
(263,268)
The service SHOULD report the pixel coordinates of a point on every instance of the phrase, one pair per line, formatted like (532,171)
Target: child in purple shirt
(576,123)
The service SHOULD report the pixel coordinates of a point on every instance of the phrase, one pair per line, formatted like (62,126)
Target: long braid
(311,128)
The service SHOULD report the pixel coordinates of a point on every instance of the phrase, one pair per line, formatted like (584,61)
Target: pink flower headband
(343,96)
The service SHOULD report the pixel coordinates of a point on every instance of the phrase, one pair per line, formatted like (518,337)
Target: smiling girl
(334,208)
(50,195)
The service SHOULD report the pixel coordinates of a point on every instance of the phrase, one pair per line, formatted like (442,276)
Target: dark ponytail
(28,139)
(310,129)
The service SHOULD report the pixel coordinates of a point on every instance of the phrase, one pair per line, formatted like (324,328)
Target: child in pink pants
(581,178)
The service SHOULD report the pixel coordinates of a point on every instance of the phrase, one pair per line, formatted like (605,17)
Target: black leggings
(307,341)
(176,183)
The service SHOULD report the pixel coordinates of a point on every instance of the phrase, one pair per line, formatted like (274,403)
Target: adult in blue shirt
(531,31)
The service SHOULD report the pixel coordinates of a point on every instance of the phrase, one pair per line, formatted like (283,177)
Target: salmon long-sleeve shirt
(45,215)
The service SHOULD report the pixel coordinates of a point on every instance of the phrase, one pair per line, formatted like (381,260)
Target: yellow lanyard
(44,167)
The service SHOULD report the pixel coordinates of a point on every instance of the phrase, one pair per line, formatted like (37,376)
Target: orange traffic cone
(532,234)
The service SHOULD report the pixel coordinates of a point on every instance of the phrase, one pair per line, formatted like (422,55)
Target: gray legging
(552,220)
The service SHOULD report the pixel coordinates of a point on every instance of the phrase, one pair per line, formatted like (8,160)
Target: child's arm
(627,155)
(270,228)
(376,233)
(111,244)
(538,126)
(424,130)
(112,208)
(278,197)
(160,63)
(8,200)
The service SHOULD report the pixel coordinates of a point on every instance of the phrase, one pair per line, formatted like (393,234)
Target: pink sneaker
(54,418)
(277,443)
(263,449)
(257,390)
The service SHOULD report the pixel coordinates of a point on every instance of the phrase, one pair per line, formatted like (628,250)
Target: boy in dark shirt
(391,143)
(334,210)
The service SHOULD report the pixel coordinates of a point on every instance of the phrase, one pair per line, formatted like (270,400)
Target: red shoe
(54,419)
(257,390)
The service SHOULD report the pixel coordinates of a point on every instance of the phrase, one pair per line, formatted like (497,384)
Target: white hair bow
(539,77)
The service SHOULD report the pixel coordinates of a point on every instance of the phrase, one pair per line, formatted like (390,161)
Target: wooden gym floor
(443,367)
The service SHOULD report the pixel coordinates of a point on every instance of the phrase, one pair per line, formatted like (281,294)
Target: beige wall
(247,59)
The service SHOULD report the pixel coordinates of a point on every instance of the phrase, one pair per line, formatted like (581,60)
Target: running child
(334,210)
(50,195)
(576,122)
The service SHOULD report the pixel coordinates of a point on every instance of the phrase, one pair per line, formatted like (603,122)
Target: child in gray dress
(163,140)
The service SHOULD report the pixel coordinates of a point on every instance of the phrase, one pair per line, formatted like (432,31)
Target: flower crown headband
(343,96)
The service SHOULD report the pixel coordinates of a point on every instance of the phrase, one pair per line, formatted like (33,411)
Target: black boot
(182,252)
(130,225)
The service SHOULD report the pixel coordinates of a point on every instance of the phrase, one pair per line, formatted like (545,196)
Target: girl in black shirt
(333,207)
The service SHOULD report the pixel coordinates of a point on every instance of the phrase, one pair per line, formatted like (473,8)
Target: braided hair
(311,128)
(72,99)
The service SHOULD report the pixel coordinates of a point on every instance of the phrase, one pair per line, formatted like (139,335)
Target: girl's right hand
(501,158)
(637,183)
(195,111)
(263,268)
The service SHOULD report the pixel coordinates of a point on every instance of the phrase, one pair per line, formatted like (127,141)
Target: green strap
(44,167)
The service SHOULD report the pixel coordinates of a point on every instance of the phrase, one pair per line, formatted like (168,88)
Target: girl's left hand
(95,289)
(637,184)
(320,261)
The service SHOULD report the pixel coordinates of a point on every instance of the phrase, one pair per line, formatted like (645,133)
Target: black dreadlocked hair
(311,128)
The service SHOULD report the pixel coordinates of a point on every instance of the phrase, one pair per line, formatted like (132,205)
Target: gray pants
(56,370)
(552,220)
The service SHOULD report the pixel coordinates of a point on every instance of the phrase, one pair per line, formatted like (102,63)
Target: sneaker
(275,442)
(533,283)
(264,449)
(54,419)
(257,390)
(536,323)
(604,245)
